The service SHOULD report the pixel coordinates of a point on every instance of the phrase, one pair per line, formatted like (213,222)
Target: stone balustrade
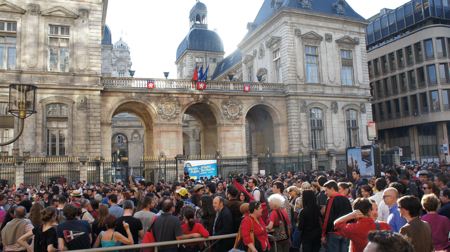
(188,85)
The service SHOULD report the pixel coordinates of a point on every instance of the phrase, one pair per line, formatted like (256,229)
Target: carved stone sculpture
(169,108)
(232,109)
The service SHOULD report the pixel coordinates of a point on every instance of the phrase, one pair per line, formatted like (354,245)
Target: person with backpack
(358,231)
(258,195)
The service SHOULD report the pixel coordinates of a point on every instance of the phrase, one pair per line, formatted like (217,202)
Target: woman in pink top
(440,225)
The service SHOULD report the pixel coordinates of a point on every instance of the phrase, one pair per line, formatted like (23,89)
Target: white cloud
(153,29)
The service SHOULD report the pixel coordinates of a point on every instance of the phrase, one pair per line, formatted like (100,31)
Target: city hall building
(408,57)
(297,85)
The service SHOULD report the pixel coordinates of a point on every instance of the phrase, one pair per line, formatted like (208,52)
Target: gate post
(255,164)
(83,169)
(20,170)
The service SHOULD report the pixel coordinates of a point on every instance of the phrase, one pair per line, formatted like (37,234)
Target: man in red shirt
(358,231)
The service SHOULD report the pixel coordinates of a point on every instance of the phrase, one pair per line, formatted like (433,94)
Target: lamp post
(230,77)
(21,104)
(166,74)
(132,72)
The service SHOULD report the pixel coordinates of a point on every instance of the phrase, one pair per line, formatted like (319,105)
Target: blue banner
(200,168)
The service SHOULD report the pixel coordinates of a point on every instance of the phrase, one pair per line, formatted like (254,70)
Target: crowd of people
(406,209)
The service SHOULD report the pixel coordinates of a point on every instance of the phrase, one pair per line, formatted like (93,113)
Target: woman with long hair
(190,226)
(99,224)
(207,212)
(309,223)
(45,238)
(35,214)
(111,238)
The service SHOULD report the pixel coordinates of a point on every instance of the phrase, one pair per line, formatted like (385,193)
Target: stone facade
(57,45)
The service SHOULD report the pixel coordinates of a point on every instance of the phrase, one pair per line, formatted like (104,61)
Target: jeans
(336,243)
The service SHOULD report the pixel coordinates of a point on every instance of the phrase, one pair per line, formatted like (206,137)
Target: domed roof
(107,38)
(121,44)
(199,6)
(200,40)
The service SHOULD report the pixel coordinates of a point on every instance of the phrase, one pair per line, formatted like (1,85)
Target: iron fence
(157,168)
(7,171)
(277,164)
(230,166)
(47,169)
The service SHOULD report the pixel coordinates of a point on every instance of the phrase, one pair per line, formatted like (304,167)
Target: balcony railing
(188,85)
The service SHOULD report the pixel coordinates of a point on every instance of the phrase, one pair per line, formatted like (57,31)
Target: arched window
(57,124)
(317,129)
(351,118)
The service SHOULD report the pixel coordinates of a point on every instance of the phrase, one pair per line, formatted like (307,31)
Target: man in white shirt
(383,209)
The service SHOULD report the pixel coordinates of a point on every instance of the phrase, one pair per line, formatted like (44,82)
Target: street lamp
(132,72)
(166,74)
(21,104)
(300,153)
(230,77)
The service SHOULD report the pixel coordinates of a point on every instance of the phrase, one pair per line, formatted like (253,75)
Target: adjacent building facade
(408,59)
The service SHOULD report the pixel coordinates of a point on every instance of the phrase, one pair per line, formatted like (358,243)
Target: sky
(153,29)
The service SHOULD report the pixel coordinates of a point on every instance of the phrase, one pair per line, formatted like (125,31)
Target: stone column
(255,165)
(20,170)
(83,169)
(332,158)
(313,156)
(293,113)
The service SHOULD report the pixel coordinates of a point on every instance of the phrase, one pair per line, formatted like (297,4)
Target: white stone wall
(290,31)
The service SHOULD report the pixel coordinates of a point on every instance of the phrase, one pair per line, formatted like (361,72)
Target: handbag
(149,237)
(281,232)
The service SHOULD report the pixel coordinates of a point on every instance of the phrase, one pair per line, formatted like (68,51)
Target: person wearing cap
(197,193)
(182,202)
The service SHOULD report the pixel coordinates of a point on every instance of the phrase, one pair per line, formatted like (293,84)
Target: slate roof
(327,7)
(227,63)
(106,40)
(199,39)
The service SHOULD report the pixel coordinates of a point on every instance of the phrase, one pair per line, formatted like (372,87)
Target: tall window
(434,99)
(57,115)
(412,80)
(446,98)
(391,58)
(8,34)
(405,106)
(250,73)
(199,62)
(6,127)
(418,52)
(347,67)
(58,50)
(400,59)
(384,64)
(444,72)
(409,55)
(317,129)
(312,64)
(351,116)
(432,76)
(441,50)
(277,65)
(429,51)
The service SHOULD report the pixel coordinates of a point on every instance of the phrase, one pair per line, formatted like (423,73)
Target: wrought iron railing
(188,85)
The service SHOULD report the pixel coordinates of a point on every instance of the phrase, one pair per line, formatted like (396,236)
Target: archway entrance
(199,130)
(131,138)
(259,131)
